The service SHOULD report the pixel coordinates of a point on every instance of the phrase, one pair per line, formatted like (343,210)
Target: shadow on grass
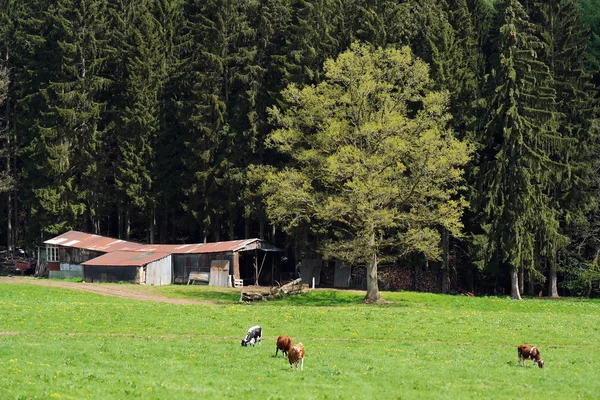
(200,293)
(330,298)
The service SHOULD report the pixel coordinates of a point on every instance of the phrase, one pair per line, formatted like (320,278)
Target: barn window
(52,254)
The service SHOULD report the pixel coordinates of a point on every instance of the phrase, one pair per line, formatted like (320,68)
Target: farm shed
(247,258)
(66,253)
(149,268)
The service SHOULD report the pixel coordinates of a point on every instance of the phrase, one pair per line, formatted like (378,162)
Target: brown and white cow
(529,352)
(296,355)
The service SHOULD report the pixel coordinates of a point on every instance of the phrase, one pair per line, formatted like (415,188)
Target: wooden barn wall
(72,255)
(183,264)
(159,272)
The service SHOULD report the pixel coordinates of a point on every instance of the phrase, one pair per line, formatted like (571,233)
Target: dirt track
(135,292)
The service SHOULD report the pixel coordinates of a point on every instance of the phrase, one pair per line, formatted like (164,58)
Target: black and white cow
(253,336)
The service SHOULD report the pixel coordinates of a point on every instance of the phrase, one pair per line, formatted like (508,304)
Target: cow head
(540,363)
(244,343)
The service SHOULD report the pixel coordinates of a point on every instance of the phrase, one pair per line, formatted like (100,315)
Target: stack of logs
(294,287)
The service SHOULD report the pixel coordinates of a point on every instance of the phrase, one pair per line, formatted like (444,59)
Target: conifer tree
(5,149)
(566,43)
(5,139)
(217,65)
(169,168)
(135,117)
(30,55)
(519,150)
(309,40)
(69,138)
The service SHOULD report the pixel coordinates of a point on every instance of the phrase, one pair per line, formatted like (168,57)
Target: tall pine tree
(566,42)
(519,146)
(69,139)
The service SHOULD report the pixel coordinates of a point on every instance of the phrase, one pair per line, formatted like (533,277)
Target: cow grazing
(253,336)
(296,355)
(283,343)
(528,352)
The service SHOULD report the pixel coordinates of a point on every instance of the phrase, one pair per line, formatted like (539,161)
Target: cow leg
(302,364)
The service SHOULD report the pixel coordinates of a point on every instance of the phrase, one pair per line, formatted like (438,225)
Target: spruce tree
(168,167)
(519,147)
(139,65)
(309,40)
(217,67)
(69,138)
(30,56)
(566,42)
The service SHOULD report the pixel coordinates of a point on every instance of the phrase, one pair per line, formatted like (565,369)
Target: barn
(98,258)
(149,268)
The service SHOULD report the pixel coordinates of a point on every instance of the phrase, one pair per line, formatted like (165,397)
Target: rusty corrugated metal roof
(105,244)
(88,241)
(196,248)
(121,258)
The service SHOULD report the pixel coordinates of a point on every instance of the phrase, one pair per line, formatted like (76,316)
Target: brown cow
(283,343)
(296,355)
(529,352)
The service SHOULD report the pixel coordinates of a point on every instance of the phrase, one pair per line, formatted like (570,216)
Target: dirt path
(135,292)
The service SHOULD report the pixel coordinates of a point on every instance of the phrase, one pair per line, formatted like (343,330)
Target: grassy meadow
(65,344)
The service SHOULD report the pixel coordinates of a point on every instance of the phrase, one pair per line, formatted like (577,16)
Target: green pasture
(65,344)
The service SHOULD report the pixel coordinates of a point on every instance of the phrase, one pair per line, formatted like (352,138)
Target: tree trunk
(119,223)
(261,233)
(152,225)
(9,227)
(127,225)
(522,280)
(514,283)
(247,227)
(530,287)
(164,226)
(217,228)
(552,287)
(232,218)
(255,267)
(373,295)
(445,261)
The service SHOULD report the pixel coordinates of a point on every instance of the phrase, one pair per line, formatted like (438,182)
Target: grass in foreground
(59,343)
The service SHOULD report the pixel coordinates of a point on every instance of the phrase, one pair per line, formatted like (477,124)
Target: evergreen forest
(185,121)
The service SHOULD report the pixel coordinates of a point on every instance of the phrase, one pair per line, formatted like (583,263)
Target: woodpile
(294,287)
(16,261)
(395,278)
(327,276)
(429,281)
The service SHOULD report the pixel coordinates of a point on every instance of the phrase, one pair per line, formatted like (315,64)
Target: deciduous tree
(373,163)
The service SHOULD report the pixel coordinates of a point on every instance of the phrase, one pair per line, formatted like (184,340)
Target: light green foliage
(71,344)
(373,160)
